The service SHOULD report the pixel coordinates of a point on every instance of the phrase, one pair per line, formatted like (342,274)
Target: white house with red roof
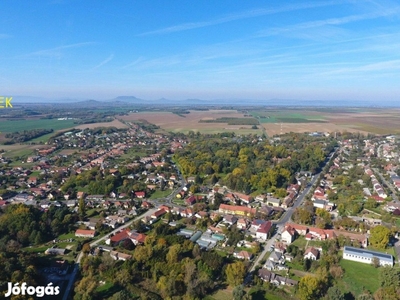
(264,230)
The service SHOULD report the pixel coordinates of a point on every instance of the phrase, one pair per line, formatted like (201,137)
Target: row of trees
(26,135)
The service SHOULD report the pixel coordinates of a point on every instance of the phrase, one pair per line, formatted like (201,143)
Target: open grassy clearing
(358,276)
(160,194)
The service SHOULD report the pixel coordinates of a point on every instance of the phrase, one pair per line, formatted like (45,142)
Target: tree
(309,288)
(380,236)
(238,292)
(389,277)
(235,273)
(82,208)
(334,293)
(375,262)
(86,248)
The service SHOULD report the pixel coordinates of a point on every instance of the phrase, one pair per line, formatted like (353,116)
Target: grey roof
(196,236)
(368,253)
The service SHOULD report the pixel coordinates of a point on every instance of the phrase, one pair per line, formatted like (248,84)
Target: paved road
(80,256)
(280,225)
(287,216)
(388,184)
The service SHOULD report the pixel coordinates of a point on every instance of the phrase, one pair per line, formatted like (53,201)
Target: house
(230,219)
(276,257)
(273,278)
(156,215)
(271,201)
(243,255)
(187,213)
(237,210)
(32,180)
(140,195)
(85,233)
(311,253)
(80,195)
(120,256)
(256,224)
(191,200)
(146,204)
(244,198)
(367,256)
(118,237)
(241,223)
(264,230)
(288,235)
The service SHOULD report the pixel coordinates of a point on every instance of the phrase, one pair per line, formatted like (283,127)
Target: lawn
(358,276)
(160,194)
(300,242)
(65,236)
(36,249)
(178,201)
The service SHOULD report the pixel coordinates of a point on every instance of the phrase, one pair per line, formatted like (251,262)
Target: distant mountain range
(132,100)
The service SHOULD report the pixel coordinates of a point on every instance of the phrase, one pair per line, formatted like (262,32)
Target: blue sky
(314,50)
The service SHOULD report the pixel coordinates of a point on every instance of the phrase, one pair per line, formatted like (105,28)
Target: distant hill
(132,100)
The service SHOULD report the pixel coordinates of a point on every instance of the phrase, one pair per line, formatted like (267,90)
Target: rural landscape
(200,150)
(202,202)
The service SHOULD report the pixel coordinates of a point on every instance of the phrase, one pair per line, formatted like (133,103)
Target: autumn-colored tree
(235,273)
(379,237)
(309,288)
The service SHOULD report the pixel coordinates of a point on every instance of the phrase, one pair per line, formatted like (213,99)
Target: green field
(20,125)
(358,276)
(160,194)
(275,116)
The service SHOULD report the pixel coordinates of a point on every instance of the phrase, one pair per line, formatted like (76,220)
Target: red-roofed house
(264,230)
(311,253)
(158,214)
(191,200)
(243,255)
(140,194)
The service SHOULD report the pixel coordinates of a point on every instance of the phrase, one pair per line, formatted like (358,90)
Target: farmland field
(20,125)
(191,122)
(276,121)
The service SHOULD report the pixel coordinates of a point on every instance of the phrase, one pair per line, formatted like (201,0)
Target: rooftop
(368,253)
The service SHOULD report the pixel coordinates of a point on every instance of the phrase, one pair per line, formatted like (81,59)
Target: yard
(358,276)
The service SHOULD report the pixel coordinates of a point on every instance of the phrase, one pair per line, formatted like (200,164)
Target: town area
(109,213)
